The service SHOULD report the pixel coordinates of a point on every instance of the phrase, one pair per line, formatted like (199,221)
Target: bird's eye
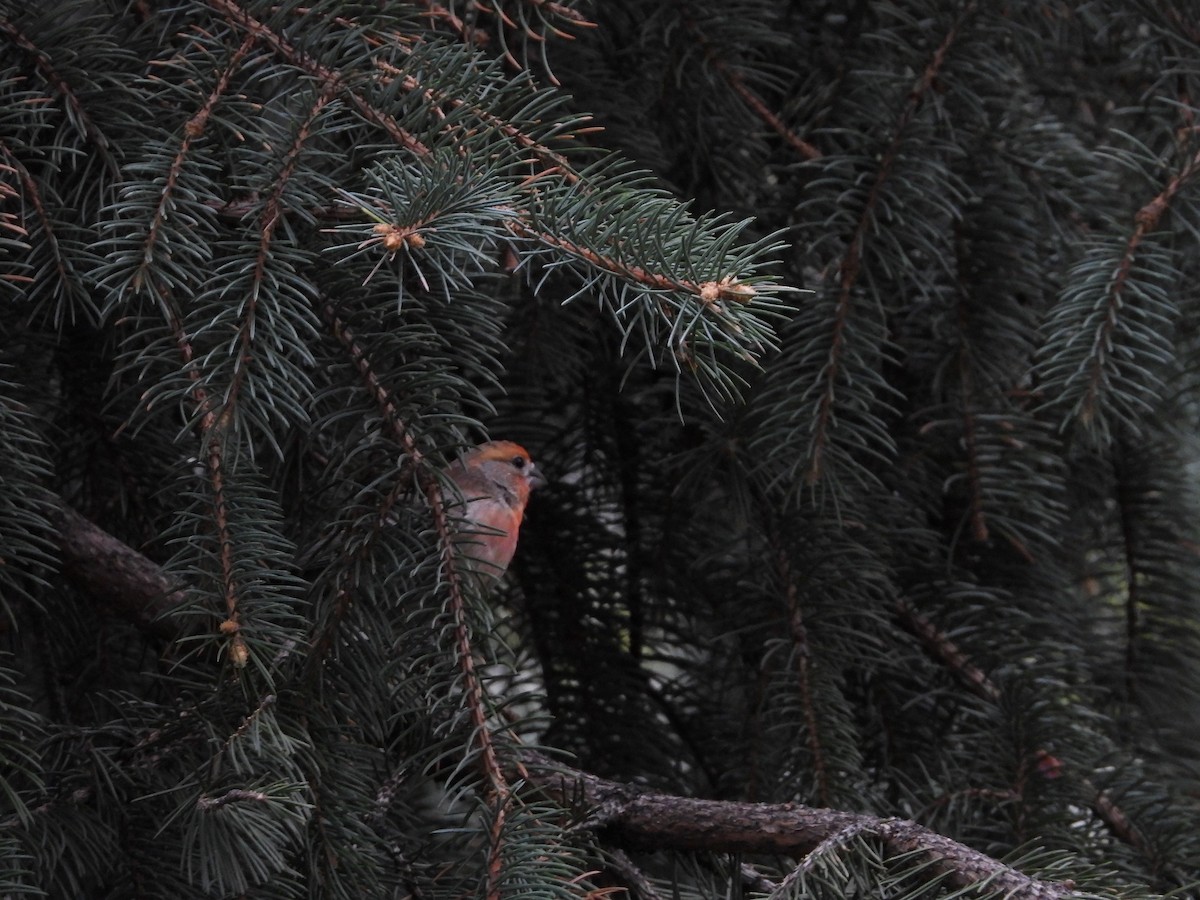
(518,462)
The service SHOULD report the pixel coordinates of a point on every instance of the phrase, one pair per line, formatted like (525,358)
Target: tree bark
(117,576)
(644,819)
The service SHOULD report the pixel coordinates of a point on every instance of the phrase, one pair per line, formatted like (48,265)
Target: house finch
(495,480)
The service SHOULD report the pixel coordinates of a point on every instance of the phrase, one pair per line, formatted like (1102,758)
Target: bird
(494,481)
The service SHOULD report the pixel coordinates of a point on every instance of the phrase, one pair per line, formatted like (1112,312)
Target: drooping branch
(193,130)
(939,645)
(802,653)
(78,113)
(474,695)
(712,52)
(850,266)
(33,195)
(1145,221)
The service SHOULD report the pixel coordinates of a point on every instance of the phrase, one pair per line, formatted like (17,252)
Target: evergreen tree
(859,342)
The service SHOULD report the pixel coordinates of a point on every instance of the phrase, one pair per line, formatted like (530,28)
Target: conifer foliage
(858,340)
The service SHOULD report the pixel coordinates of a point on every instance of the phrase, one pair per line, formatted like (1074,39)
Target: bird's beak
(536,478)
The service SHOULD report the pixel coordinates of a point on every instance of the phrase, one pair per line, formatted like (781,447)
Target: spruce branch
(710,293)
(469,35)
(631,814)
(552,162)
(942,648)
(975,505)
(803,662)
(193,130)
(760,108)
(327,76)
(212,427)
(1145,220)
(546,13)
(78,110)
(1131,559)
(323,643)
(258,290)
(33,196)
(636,884)
(234,795)
(449,564)
(737,83)
(847,273)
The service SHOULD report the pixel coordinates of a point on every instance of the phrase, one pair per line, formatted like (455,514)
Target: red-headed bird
(495,480)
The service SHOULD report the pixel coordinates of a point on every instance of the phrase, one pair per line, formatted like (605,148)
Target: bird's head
(507,465)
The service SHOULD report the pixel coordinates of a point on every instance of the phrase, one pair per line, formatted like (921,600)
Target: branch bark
(641,818)
(119,577)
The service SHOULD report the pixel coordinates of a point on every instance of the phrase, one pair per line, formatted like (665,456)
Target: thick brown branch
(643,818)
(122,579)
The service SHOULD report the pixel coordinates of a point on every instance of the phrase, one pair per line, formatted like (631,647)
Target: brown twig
(744,91)
(941,647)
(236,795)
(78,110)
(33,194)
(468,34)
(329,77)
(1145,220)
(193,129)
(755,102)
(551,160)
(212,428)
